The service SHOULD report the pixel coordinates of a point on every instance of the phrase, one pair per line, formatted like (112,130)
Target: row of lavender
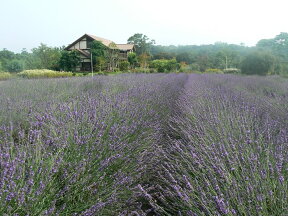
(144,144)
(79,146)
(226,149)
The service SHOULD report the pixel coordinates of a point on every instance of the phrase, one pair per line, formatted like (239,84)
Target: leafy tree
(142,43)
(265,43)
(164,55)
(69,60)
(6,57)
(257,63)
(98,50)
(112,56)
(15,66)
(204,62)
(144,59)
(132,59)
(184,57)
(1,68)
(44,57)
(100,63)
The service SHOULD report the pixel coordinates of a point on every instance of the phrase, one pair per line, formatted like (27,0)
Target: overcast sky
(27,23)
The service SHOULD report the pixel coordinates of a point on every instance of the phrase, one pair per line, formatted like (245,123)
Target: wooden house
(82,45)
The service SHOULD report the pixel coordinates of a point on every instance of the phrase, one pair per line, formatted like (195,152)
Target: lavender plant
(226,150)
(73,146)
(158,144)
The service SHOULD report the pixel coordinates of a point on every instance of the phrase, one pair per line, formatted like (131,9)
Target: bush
(213,70)
(141,70)
(164,65)
(5,75)
(44,74)
(232,70)
(124,65)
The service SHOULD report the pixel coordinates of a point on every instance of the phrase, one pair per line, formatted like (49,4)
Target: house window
(89,42)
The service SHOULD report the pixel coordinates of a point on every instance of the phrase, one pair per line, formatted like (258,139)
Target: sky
(27,23)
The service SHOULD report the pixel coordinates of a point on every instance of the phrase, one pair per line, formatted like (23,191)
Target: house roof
(106,42)
(125,46)
(103,40)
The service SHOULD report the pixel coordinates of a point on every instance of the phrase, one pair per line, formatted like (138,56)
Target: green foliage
(164,55)
(6,57)
(194,67)
(124,65)
(164,65)
(98,50)
(257,63)
(69,60)
(100,63)
(132,59)
(32,74)
(232,71)
(142,43)
(15,66)
(185,57)
(112,56)
(43,57)
(213,70)
(144,59)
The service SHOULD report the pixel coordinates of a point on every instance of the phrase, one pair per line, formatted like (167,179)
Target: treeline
(42,57)
(269,56)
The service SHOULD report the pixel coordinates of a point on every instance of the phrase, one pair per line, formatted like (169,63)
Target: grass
(43,73)
(5,76)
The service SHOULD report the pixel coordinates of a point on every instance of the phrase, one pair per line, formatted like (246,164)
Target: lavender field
(157,144)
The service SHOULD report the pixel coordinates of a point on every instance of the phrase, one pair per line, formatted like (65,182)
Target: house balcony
(123,56)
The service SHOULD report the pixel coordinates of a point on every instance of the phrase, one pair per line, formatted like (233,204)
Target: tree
(132,59)
(265,43)
(6,57)
(142,43)
(15,66)
(112,56)
(184,57)
(69,60)
(164,55)
(143,60)
(1,68)
(259,63)
(98,50)
(44,57)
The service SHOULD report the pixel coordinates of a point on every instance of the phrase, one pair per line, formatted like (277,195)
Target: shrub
(213,70)
(124,65)
(142,70)
(5,75)
(232,70)
(164,65)
(44,74)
